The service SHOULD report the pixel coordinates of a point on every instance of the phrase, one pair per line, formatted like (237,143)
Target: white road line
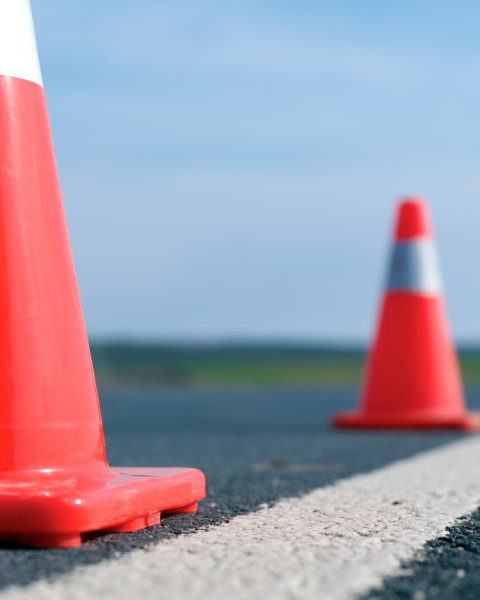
(331,544)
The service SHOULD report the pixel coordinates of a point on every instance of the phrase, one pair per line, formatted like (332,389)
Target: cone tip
(18,46)
(412,219)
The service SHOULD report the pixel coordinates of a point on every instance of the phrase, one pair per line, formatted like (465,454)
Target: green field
(150,364)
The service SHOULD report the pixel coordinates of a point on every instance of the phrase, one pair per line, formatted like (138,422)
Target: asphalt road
(446,569)
(255,445)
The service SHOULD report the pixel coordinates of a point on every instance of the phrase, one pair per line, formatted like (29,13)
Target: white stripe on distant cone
(333,543)
(414,268)
(18,46)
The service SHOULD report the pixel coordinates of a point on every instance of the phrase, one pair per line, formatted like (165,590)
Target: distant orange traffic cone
(412,378)
(55,483)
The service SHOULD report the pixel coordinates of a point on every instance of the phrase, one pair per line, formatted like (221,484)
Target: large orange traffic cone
(412,378)
(54,479)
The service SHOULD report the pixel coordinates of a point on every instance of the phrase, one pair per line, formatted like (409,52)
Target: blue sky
(229,169)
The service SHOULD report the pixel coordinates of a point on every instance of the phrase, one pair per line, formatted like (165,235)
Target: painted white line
(331,544)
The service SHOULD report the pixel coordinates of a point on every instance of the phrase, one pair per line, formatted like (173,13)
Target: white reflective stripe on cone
(414,268)
(18,47)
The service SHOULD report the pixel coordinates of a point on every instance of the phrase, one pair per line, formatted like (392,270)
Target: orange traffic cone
(412,378)
(54,479)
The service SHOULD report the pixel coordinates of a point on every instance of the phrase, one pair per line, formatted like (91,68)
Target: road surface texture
(294,509)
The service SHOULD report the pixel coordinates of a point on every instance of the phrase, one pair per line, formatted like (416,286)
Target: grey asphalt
(445,569)
(255,445)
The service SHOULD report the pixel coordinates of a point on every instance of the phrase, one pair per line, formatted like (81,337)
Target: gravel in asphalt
(332,543)
(255,445)
(446,568)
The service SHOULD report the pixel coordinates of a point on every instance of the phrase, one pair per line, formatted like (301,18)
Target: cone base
(415,420)
(54,512)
